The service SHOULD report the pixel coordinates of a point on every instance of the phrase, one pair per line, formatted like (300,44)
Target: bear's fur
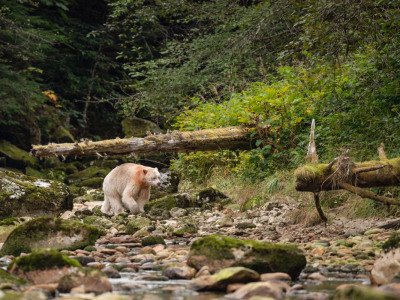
(128,187)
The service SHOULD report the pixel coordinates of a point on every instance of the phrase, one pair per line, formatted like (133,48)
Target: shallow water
(132,284)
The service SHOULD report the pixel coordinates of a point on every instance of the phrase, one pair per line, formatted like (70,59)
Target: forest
(75,71)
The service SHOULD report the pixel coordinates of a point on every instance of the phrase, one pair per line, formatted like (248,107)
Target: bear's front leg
(143,197)
(129,202)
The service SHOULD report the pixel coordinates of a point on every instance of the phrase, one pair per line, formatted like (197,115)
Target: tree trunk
(203,140)
(320,177)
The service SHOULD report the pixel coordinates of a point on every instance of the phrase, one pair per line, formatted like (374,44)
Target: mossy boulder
(210,195)
(393,242)
(357,292)
(41,260)
(22,195)
(92,176)
(62,135)
(137,127)
(152,240)
(16,157)
(220,280)
(136,224)
(165,204)
(49,232)
(217,252)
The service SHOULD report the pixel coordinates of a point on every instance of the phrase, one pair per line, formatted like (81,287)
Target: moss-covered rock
(136,224)
(392,242)
(137,127)
(8,280)
(49,232)
(188,227)
(165,204)
(152,240)
(90,176)
(357,292)
(23,195)
(220,280)
(42,260)
(89,195)
(98,221)
(95,182)
(219,252)
(16,157)
(63,135)
(210,195)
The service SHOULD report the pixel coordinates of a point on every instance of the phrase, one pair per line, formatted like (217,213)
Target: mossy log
(200,140)
(320,177)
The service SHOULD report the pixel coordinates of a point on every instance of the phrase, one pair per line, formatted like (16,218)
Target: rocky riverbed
(165,254)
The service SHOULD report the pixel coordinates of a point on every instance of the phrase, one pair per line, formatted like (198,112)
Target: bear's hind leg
(105,208)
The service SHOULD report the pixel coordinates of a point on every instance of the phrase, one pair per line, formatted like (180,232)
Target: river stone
(352,291)
(219,252)
(179,271)
(220,280)
(275,289)
(22,195)
(91,281)
(386,267)
(49,232)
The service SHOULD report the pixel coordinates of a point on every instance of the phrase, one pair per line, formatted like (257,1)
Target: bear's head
(152,176)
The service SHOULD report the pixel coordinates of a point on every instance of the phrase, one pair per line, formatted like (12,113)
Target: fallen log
(321,177)
(200,140)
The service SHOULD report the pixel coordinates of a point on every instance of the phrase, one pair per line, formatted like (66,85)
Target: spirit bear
(128,187)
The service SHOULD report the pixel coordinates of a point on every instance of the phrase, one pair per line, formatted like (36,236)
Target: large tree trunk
(204,140)
(319,177)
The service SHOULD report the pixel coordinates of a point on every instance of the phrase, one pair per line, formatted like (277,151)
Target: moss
(189,227)
(7,279)
(63,135)
(392,242)
(259,256)
(356,292)
(95,182)
(90,248)
(17,155)
(152,240)
(42,260)
(88,173)
(245,225)
(100,222)
(50,232)
(137,224)
(164,203)
(12,295)
(8,221)
(34,172)
(210,195)
(136,127)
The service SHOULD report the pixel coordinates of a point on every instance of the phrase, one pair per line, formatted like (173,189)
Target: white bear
(128,187)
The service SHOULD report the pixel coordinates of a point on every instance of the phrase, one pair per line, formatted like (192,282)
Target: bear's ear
(144,171)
